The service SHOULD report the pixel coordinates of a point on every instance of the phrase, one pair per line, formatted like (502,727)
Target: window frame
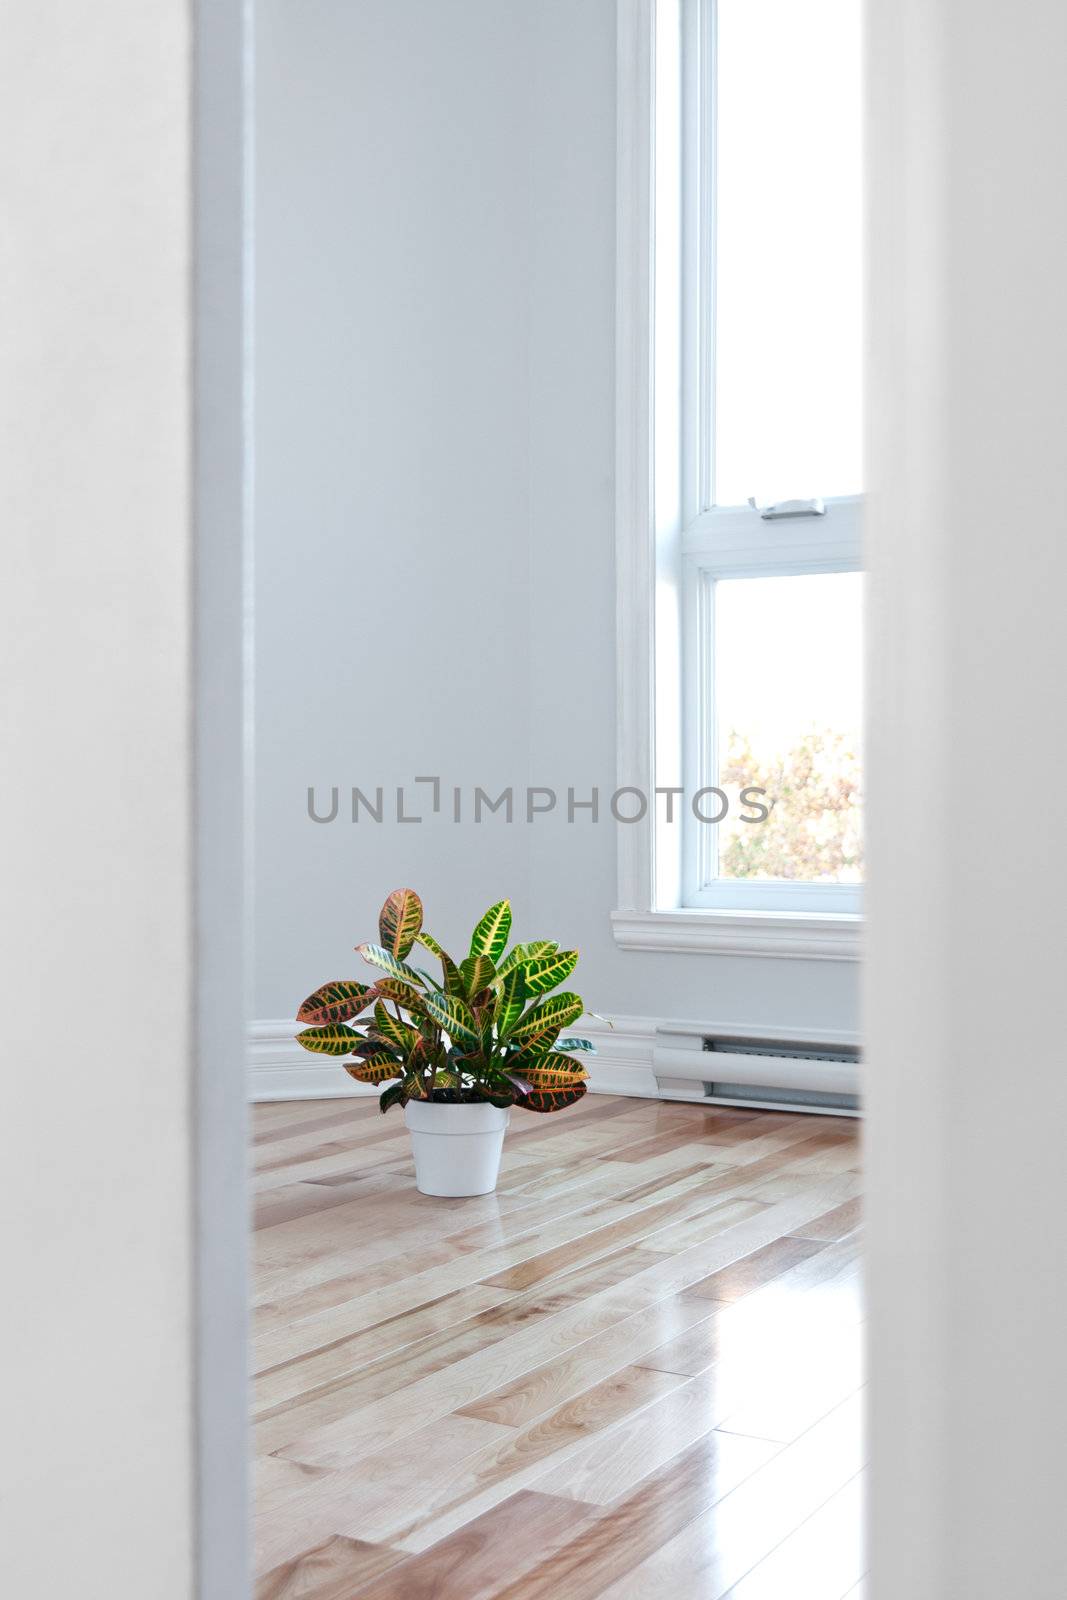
(669,539)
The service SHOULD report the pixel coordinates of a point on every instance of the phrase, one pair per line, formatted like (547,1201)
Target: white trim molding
(635,560)
(812,936)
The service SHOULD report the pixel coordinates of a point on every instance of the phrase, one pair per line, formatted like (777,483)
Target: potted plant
(459,1052)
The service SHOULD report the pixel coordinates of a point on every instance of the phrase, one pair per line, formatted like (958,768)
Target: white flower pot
(456,1147)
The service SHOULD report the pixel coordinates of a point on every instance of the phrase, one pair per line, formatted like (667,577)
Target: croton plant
(490,1029)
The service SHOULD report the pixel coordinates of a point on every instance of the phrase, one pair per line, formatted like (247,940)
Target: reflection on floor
(635,1370)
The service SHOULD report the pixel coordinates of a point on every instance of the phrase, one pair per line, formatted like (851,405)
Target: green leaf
(525,952)
(510,1001)
(391,1096)
(577,1044)
(333,1040)
(491,934)
(453,981)
(450,1012)
(446,1078)
(383,1071)
(484,1019)
(477,972)
(336,1002)
(393,1032)
(557,1011)
(545,972)
(378,957)
(551,1099)
(400,921)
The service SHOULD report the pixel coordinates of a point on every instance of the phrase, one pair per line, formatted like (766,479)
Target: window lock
(789,508)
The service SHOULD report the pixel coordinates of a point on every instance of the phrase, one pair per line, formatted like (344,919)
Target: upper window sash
(686,245)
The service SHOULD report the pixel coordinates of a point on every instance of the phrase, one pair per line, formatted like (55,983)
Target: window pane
(788,269)
(789,717)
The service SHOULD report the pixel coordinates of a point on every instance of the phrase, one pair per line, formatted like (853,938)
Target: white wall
(968,548)
(95,661)
(434,532)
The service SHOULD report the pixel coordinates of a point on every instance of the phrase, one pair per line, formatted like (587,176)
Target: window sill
(809,936)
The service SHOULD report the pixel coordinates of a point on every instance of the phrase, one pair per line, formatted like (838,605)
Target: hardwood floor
(634,1369)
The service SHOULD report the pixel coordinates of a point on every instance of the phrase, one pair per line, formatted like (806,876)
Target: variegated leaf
(401,994)
(578,1044)
(525,952)
(557,1011)
(450,1012)
(396,1033)
(537,1047)
(332,1040)
(477,973)
(336,1002)
(545,972)
(551,1099)
(491,934)
(484,1016)
(453,981)
(374,1050)
(453,977)
(511,999)
(379,957)
(555,1072)
(373,1071)
(400,921)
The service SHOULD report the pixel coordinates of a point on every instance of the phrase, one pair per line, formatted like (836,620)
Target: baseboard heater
(742,1069)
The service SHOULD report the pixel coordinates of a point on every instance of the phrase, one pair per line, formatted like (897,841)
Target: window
(740,283)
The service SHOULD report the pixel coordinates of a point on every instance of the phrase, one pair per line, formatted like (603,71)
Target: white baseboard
(278,1069)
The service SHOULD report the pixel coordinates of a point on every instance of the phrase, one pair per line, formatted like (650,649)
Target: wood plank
(268,1115)
(323,1505)
(333,1570)
(623,1536)
(321,1366)
(650,1223)
(838,1223)
(475,1562)
(607,1469)
(295,1200)
(544,1387)
(753,1271)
